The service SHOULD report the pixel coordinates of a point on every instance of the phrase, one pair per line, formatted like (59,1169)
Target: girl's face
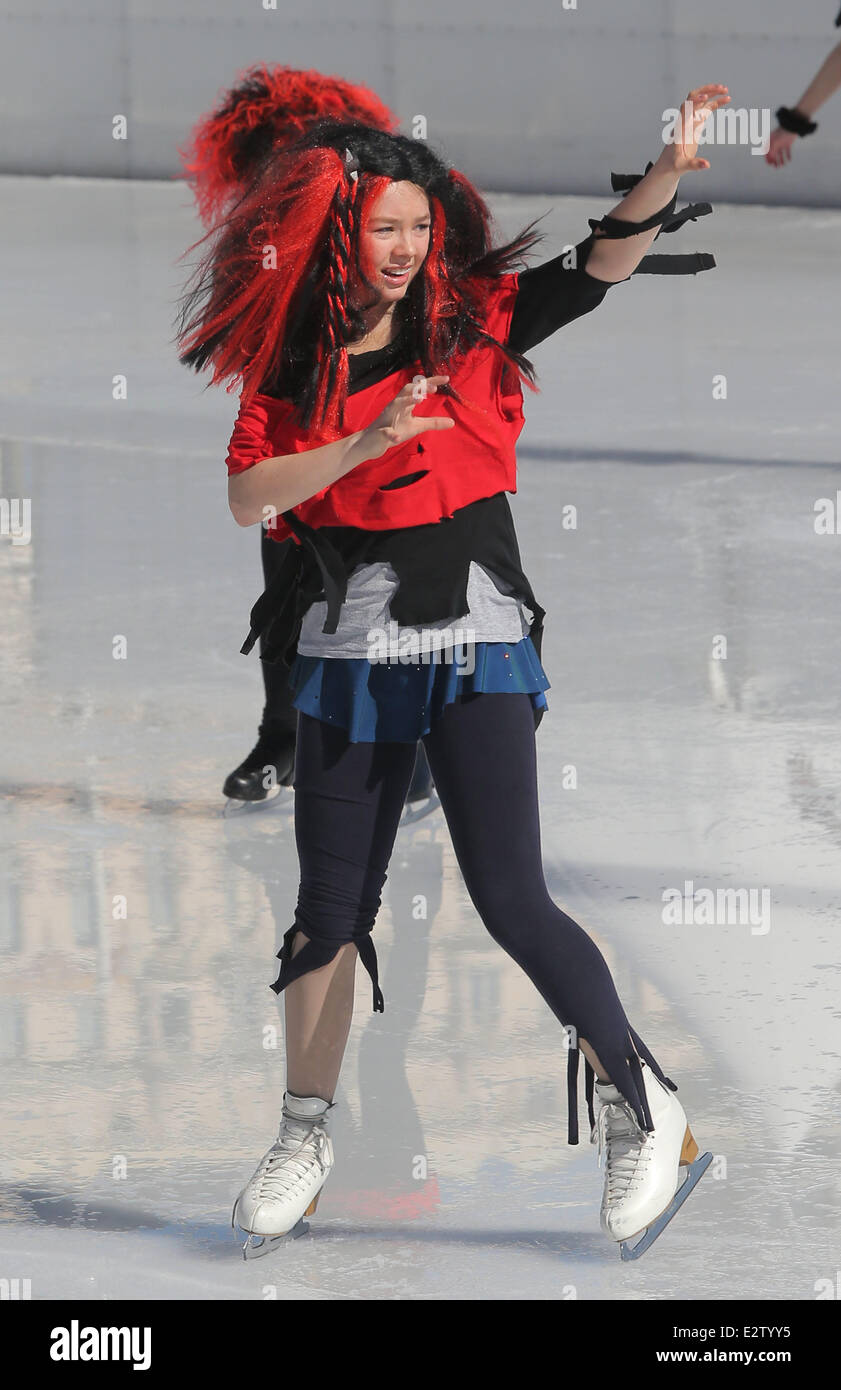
(395,241)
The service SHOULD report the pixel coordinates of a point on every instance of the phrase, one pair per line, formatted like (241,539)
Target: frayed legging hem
(631,1086)
(629,1079)
(316,952)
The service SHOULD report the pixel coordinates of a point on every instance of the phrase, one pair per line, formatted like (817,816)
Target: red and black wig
(267,108)
(268,305)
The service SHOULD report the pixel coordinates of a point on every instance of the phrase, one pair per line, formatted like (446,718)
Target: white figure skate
(644,1173)
(287,1184)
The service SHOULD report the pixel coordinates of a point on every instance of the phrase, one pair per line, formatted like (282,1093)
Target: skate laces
(626,1145)
(290,1159)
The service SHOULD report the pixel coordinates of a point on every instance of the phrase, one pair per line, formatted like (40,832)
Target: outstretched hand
(700,104)
(780,146)
(396,424)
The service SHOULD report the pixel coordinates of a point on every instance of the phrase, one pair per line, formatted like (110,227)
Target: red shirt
(474,460)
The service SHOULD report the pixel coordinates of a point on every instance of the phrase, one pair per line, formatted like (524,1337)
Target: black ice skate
(269,766)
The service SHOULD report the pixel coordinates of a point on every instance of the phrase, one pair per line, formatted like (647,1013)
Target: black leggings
(482,755)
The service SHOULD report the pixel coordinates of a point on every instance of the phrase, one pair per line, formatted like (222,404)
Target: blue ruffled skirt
(397,702)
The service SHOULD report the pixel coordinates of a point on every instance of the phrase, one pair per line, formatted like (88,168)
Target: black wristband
(794,121)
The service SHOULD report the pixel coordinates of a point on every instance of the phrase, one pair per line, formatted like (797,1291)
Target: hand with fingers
(779,147)
(682,152)
(397,423)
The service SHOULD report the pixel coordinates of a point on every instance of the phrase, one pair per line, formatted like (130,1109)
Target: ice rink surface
(142,1054)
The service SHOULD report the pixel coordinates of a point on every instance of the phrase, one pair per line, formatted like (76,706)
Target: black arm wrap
(668,220)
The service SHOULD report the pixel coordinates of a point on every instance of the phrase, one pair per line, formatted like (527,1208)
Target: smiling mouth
(396,276)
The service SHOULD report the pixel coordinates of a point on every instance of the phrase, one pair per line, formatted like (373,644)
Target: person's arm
(612,260)
(824,84)
(275,485)
(551,295)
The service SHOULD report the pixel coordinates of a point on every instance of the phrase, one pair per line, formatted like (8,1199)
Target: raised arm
(575,282)
(797,121)
(613,260)
(824,84)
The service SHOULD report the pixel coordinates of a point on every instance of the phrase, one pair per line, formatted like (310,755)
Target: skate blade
(233,807)
(694,1172)
(416,810)
(256,1246)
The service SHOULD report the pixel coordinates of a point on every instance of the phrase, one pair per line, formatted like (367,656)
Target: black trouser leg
(278,708)
(348,802)
(482,753)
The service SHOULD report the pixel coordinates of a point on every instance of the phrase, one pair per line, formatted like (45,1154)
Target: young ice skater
(379,339)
